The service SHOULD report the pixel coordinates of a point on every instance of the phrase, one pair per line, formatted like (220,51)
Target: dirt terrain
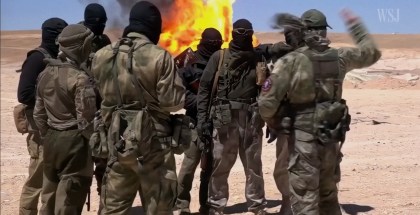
(381,166)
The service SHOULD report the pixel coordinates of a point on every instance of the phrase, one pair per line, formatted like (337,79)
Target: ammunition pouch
(20,118)
(130,134)
(182,132)
(332,121)
(98,140)
(221,115)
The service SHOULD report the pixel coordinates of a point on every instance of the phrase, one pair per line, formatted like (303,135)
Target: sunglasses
(243,31)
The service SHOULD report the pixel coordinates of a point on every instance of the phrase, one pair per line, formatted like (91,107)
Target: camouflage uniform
(155,180)
(293,40)
(96,20)
(64,109)
(313,163)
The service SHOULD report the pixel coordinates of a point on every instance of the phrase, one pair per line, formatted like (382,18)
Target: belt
(246,101)
(74,127)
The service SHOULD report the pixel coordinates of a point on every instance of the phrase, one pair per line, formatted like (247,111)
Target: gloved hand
(204,132)
(270,135)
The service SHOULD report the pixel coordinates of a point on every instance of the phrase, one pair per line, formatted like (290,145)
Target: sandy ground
(381,166)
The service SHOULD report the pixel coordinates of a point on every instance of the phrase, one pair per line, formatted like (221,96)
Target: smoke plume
(118,11)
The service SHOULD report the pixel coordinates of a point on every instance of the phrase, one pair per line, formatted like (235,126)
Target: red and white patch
(267,85)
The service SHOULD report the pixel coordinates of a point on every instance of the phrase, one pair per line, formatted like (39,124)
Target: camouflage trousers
(312,178)
(237,136)
(280,173)
(31,190)
(154,178)
(192,157)
(68,171)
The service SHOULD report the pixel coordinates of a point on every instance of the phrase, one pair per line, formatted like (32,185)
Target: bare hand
(348,15)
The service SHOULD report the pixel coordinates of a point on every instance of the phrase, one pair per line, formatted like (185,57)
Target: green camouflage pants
(28,204)
(154,178)
(192,157)
(68,171)
(280,173)
(238,136)
(312,176)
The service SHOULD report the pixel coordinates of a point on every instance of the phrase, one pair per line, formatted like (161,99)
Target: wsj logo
(389,15)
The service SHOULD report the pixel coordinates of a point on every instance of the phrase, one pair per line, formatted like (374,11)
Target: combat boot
(286,206)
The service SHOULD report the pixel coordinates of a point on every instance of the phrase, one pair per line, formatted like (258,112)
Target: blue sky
(381,16)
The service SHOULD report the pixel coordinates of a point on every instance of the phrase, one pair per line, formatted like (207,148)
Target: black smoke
(118,11)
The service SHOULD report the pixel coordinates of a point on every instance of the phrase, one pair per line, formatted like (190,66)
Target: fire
(187,19)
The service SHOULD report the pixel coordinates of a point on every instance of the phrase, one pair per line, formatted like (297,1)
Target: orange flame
(183,26)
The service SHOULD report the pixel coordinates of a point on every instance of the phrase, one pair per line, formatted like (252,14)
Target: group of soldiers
(76,76)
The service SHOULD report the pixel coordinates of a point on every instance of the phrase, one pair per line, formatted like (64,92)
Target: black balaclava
(145,18)
(95,18)
(211,41)
(51,28)
(242,40)
(294,37)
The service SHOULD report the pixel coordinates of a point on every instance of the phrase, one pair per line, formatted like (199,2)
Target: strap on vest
(319,75)
(132,47)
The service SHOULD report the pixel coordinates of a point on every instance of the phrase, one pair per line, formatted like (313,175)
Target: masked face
(293,37)
(321,31)
(96,28)
(242,38)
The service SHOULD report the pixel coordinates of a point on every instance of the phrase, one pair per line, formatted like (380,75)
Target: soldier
(293,40)
(31,68)
(64,109)
(309,82)
(232,111)
(95,20)
(151,69)
(211,41)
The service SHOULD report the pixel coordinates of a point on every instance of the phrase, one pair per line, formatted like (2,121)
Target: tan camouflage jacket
(293,73)
(154,68)
(65,98)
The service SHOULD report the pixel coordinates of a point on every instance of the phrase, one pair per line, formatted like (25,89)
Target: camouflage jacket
(65,98)
(293,73)
(153,67)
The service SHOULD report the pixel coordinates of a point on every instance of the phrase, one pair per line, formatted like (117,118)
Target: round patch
(267,85)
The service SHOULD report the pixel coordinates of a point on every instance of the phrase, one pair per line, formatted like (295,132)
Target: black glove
(204,132)
(271,135)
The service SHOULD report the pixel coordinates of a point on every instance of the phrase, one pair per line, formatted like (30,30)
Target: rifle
(206,150)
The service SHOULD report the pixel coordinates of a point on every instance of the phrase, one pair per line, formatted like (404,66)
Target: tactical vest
(40,49)
(326,74)
(37,49)
(237,80)
(331,119)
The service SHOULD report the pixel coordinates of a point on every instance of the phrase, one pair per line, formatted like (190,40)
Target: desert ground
(381,164)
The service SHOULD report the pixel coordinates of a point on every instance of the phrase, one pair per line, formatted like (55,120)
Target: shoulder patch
(267,85)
